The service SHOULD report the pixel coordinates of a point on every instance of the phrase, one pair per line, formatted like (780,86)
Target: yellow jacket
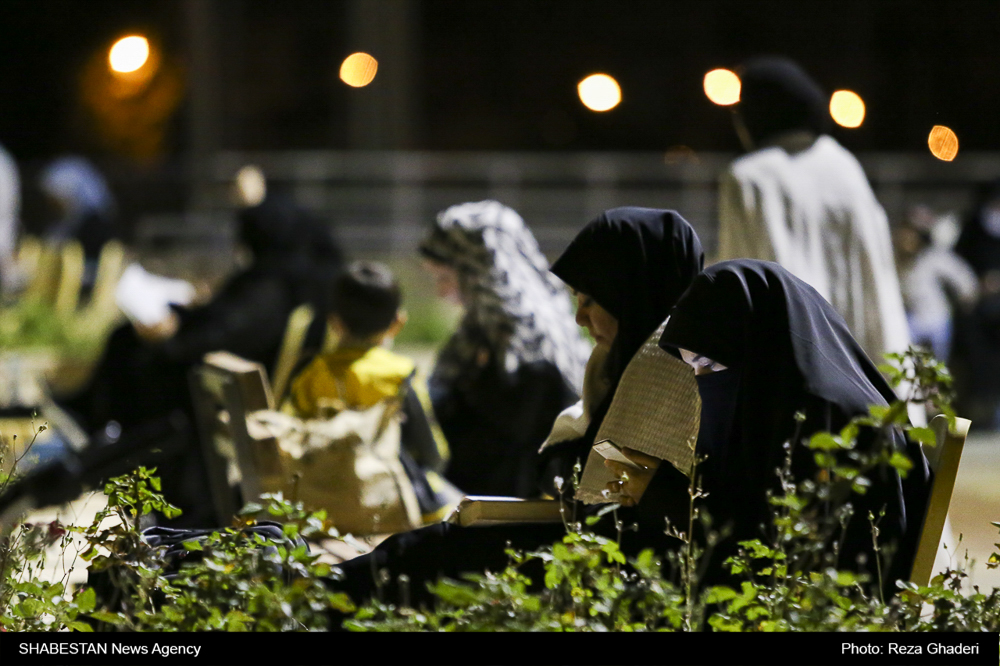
(349,379)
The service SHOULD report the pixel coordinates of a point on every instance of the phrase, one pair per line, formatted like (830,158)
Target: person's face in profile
(601,325)
(445,281)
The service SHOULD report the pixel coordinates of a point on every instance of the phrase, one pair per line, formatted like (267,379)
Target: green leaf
(76,625)
(878,411)
(192,544)
(823,441)
(923,435)
(86,600)
(111,618)
(719,593)
(824,459)
(901,462)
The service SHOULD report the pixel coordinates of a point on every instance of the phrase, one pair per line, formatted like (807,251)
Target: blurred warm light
(847,108)
(251,186)
(358,69)
(599,92)
(128,54)
(722,87)
(943,143)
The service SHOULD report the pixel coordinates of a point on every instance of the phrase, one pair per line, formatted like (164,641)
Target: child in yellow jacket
(361,372)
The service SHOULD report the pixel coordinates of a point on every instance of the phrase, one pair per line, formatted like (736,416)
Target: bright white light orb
(599,92)
(847,108)
(722,87)
(251,185)
(129,54)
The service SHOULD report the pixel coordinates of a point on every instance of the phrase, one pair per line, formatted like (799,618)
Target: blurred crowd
(513,371)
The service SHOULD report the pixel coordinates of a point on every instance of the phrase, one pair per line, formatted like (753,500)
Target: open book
(479,510)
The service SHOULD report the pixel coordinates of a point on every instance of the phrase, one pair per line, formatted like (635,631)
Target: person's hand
(631,483)
(162,330)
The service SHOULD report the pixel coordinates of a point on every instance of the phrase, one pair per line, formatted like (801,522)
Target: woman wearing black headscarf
(628,266)
(633,263)
(778,348)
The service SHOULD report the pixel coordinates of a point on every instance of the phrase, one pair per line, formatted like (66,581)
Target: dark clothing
(635,262)
(777,96)
(786,351)
(136,381)
(495,425)
(975,357)
(517,357)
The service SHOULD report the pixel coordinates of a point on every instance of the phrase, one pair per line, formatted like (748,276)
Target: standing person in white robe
(801,199)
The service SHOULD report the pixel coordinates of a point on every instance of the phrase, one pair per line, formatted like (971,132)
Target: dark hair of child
(366,297)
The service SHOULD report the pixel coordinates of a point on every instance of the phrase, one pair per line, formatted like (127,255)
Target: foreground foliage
(254,578)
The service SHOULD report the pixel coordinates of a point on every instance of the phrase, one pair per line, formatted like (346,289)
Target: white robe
(811,209)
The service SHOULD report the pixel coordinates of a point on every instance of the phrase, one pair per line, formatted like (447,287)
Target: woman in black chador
(143,375)
(628,267)
(765,346)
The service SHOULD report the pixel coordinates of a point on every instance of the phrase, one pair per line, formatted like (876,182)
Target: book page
(145,298)
(656,408)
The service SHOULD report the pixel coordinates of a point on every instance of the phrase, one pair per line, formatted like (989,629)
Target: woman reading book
(628,267)
(765,346)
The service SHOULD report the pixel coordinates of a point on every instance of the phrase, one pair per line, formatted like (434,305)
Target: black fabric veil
(776,95)
(635,263)
(792,352)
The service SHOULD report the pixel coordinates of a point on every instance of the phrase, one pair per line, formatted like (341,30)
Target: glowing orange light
(847,108)
(722,87)
(599,92)
(128,54)
(943,143)
(358,69)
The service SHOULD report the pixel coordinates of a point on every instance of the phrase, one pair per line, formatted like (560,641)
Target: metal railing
(382,202)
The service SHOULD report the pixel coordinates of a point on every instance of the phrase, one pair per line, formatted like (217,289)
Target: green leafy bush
(239,581)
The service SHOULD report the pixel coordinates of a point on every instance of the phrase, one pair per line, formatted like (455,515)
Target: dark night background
(497,75)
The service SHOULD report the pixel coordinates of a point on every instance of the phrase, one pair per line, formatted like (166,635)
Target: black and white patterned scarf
(515,308)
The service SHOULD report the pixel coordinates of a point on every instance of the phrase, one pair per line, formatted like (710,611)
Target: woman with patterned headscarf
(517,358)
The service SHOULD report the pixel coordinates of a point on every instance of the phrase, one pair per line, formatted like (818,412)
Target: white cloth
(934,274)
(10,212)
(146,298)
(808,206)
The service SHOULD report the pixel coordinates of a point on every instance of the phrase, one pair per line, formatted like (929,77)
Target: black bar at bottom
(222,649)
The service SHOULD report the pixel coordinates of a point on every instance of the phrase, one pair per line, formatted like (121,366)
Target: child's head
(365,302)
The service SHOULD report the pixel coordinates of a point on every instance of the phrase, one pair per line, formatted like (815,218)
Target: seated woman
(636,261)
(516,359)
(143,374)
(765,346)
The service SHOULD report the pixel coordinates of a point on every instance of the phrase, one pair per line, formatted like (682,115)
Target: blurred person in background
(976,356)
(143,374)
(934,278)
(86,207)
(801,199)
(10,221)
(517,358)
